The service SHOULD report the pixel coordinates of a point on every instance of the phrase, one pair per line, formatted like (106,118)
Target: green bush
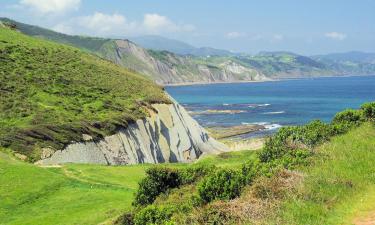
(158,180)
(154,215)
(215,215)
(369,110)
(289,139)
(313,133)
(275,146)
(250,171)
(125,219)
(224,184)
(194,173)
(349,116)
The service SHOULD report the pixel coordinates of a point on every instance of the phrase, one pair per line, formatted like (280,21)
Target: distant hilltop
(172,62)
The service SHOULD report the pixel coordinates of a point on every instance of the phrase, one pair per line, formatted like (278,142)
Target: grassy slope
(75,194)
(52,93)
(340,184)
(337,186)
(91,44)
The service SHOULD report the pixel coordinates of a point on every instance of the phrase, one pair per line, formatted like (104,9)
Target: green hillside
(167,67)
(91,44)
(51,94)
(340,184)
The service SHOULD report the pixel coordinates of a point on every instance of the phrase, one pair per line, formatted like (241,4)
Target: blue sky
(305,27)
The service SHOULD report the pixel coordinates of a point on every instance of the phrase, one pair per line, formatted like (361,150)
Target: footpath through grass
(76,194)
(340,185)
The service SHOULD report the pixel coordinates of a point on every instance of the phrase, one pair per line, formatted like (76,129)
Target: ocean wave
(273,126)
(267,125)
(215,111)
(271,113)
(258,105)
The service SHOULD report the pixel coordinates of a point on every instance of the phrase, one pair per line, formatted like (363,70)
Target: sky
(306,27)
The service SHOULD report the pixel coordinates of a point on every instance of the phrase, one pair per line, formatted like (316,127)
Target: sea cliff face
(169,134)
(168,68)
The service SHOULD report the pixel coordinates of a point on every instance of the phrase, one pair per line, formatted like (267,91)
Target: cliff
(168,68)
(168,134)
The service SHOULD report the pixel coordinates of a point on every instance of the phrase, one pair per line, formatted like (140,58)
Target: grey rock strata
(167,135)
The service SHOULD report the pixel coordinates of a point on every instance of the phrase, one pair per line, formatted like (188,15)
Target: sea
(273,104)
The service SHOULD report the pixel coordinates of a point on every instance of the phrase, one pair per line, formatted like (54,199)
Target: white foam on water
(258,105)
(267,125)
(271,113)
(272,126)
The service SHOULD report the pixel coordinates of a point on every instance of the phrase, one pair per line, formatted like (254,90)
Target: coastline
(201,83)
(216,82)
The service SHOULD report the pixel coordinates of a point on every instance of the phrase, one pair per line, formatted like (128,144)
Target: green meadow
(76,194)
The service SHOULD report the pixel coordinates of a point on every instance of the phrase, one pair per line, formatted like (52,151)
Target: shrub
(194,173)
(154,215)
(349,116)
(213,214)
(250,171)
(289,139)
(294,158)
(275,146)
(125,219)
(313,133)
(158,180)
(224,184)
(369,110)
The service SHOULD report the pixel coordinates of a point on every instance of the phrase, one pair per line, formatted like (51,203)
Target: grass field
(76,194)
(340,185)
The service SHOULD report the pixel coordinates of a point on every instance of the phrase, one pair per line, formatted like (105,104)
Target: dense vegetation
(51,94)
(288,149)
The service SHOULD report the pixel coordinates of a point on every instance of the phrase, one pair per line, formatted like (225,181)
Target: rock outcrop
(169,134)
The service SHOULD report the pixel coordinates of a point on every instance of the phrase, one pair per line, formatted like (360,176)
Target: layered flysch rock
(168,68)
(169,134)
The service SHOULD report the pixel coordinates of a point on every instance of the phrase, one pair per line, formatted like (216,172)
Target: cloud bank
(51,6)
(335,35)
(117,24)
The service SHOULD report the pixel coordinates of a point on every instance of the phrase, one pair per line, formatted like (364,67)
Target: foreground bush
(158,180)
(369,111)
(224,185)
(290,139)
(154,215)
(194,173)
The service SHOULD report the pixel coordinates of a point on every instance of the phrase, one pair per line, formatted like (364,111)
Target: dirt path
(369,219)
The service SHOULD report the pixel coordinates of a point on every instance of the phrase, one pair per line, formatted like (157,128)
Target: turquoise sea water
(274,104)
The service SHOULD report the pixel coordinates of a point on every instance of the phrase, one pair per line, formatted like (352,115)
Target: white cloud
(234,35)
(335,36)
(118,25)
(155,23)
(278,37)
(102,23)
(51,6)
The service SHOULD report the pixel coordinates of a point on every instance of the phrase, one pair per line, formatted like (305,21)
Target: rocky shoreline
(230,136)
(233,131)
